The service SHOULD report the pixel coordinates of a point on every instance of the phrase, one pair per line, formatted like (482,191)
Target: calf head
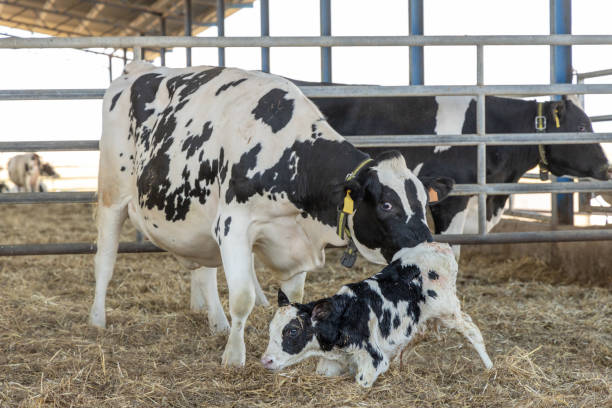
(299,331)
(390,207)
(583,160)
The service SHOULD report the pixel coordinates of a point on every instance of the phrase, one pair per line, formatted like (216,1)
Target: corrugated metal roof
(71,18)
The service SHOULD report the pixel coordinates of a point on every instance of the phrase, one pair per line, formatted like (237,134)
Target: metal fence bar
(265,32)
(481,151)
(496,238)
(353,91)
(601,118)
(311,41)
(72,248)
(594,74)
(491,139)
(325,29)
(458,190)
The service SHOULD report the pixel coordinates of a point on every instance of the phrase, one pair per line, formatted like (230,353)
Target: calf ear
(322,310)
(283,300)
(437,188)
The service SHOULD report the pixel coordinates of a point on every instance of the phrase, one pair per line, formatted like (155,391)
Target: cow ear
(437,188)
(283,300)
(322,310)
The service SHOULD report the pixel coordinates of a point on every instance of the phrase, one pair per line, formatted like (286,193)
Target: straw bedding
(551,343)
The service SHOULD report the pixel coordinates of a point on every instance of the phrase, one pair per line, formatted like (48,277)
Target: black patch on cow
(297,333)
(190,83)
(114,101)
(433,275)
(194,142)
(122,168)
(432,293)
(385,323)
(120,154)
(189,122)
(374,353)
(408,331)
(143,91)
(228,85)
(396,322)
(226,228)
(274,110)
(155,226)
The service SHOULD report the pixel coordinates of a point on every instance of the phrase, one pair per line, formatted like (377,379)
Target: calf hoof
(330,368)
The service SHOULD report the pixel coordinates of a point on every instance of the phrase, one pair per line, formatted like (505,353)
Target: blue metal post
(415,26)
(326,58)
(561,72)
(265,32)
(221,29)
(188,31)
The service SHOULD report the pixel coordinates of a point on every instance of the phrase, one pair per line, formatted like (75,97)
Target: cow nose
(267,361)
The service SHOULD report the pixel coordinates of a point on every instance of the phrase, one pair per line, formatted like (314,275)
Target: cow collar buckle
(540,127)
(348,207)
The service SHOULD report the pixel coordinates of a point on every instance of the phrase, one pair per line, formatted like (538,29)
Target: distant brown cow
(25,171)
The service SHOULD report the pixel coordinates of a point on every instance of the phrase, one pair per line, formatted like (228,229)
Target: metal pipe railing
(497,238)
(353,91)
(314,41)
(458,190)
(491,139)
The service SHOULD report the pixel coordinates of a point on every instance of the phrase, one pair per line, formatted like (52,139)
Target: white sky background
(64,68)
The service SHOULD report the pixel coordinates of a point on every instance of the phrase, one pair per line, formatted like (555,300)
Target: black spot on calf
(432,293)
(274,110)
(227,223)
(433,275)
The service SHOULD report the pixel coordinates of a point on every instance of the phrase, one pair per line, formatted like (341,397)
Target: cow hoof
(233,358)
(97,321)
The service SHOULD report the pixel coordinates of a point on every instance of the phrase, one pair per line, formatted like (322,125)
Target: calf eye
(581,128)
(386,206)
(293,332)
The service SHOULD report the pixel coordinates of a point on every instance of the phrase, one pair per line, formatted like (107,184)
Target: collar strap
(540,127)
(348,207)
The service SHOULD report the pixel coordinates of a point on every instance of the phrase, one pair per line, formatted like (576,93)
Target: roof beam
(145,21)
(48,5)
(28,26)
(91,14)
(67,14)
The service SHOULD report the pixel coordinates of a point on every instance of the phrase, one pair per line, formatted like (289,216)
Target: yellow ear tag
(433,195)
(348,203)
(557,119)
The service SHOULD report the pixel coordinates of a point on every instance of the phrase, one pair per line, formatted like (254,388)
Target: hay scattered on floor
(551,343)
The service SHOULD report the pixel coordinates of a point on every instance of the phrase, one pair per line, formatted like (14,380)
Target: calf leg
(293,287)
(330,368)
(367,370)
(237,264)
(462,322)
(109,220)
(204,294)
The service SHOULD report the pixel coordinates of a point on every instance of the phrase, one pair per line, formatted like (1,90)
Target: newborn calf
(367,323)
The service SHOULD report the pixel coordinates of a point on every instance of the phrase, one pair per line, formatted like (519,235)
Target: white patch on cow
(417,169)
(450,116)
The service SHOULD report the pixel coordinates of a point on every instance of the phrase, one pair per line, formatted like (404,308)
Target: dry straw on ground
(551,343)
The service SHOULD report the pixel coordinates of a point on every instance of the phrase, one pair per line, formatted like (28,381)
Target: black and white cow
(457,115)
(27,170)
(217,164)
(363,326)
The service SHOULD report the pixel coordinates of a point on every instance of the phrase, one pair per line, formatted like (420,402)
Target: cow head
(299,331)
(47,170)
(390,207)
(584,160)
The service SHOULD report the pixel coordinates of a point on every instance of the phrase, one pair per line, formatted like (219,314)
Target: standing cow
(215,165)
(26,172)
(445,115)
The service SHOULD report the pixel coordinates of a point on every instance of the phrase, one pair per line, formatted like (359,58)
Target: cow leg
(260,296)
(330,368)
(238,264)
(293,287)
(109,220)
(462,322)
(204,294)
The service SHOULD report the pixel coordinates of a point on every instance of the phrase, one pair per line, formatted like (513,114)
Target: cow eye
(581,128)
(387,206)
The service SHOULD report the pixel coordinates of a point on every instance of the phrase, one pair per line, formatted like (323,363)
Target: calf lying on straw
(367,323)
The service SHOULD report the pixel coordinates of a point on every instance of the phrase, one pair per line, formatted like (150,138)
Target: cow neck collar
(348,208)
(540,127)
